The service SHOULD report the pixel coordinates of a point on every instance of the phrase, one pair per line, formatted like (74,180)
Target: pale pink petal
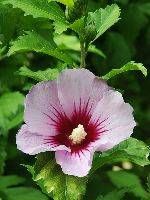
(77,87)
(99,88)
(34,143)
(42,108)
(76,164)
(114,119)
(74,88)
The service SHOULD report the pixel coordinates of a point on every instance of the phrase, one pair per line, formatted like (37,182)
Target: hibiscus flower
(75,116)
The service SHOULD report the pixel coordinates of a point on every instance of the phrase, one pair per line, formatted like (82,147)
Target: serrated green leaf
(65,43)
(69,3)
(103,19)
(39,8)
(122,179)
(11,104)
(132,150)
(35,42)
(11,180)
(48,175)
(130,66)
(45,75)
(78,26)
(114,195)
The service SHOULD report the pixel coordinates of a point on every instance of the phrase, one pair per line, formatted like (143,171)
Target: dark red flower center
(65,127)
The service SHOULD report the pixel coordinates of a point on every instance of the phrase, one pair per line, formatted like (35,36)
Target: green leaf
(11,180)
(123,179)
(131,150)
(69,3)
(133,23)
(78,26)
(145,8)
(24,193)
(76,11)
(40,8)
(49,176)
(65,43)
(127,67)
(148,183)
(114,195)
(45,75)
(11,104)
(114,41)
(103,19)
(35,42)
(2,154)
(7,26)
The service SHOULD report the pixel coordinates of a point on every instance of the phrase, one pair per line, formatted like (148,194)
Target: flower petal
(74,88)
(76,164)
(33,143)
(99,88)
(114,120)
(42,108)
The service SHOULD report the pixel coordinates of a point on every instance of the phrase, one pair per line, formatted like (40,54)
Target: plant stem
(83,55)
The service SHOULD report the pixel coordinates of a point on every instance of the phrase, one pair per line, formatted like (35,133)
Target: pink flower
(75,115)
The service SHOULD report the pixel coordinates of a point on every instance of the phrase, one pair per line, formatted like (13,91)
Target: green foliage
(114,195)
(45,75)
(145,8)
(69,3)
(50,177)
(65,43)
(11,180)
(40,8)
(77,10)
(103,19)
(35,42)
(117,49)
(7,26)
(128,67)
(11,112)
(123,179)
(2,154)
(132,149)
(133,24)
(9,192)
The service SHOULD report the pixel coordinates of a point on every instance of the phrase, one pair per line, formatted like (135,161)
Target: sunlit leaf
(45,75)
(65,42)
(132,150)
(65,2)
(35,42)
(49,176)
(130,66)
(40,8)
(103,19)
